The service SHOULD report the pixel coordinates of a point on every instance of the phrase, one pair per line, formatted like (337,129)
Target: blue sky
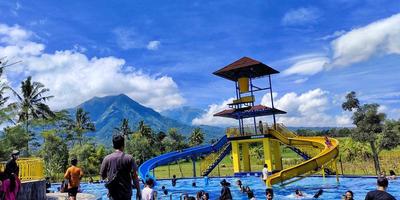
(163,53)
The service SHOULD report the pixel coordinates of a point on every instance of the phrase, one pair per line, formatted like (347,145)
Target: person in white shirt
(148,193)
(265,172)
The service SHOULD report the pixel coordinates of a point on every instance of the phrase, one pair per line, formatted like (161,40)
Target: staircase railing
(212,160)
(285,131)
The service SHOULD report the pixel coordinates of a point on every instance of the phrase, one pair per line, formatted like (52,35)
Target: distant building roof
(251,111)
(245,67)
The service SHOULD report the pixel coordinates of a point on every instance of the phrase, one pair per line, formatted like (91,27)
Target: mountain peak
(107,113)
(110,97)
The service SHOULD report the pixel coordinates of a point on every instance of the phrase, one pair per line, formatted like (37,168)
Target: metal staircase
(212,160)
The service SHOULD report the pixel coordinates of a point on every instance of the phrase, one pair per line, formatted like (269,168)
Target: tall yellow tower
(243,72)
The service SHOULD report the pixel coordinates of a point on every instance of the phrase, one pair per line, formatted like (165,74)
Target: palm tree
(81,124)
(124,129)
(3,99)
(31,103)
(144,130)
(175,140)
(197,137)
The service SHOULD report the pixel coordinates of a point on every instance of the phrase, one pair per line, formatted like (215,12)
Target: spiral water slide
(326,156)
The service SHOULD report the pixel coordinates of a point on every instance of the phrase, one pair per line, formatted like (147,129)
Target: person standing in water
(265,172)
(380,193)
(225,191)
(269,193)
(173,180)
(348,195)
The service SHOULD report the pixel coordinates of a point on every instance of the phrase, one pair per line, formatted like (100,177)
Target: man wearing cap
(12,168)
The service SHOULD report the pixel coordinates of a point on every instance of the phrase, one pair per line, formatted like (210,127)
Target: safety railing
(285,131)
(208,162)
(248,130)
(29,168)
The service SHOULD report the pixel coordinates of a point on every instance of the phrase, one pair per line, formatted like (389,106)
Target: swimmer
(298,193)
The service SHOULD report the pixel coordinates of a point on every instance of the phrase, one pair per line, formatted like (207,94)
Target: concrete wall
(32,190)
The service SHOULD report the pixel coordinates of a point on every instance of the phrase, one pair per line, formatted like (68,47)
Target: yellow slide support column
(276,151)
(235,156)
(246,157)
(336,170)
(267,153)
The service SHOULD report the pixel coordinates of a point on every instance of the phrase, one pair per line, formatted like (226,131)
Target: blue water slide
(144,169)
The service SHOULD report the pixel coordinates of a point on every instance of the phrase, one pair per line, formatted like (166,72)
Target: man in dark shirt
(122,168)
(12,168)
(380,193)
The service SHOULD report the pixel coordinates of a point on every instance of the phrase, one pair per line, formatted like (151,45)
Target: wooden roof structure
(245,67)
(250,111)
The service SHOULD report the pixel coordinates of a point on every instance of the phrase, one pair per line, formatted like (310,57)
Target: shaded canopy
(245,67)
(247,112)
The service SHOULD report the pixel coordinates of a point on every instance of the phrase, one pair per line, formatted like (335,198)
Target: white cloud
(13,34)
(153,45)
(391,113)
(301,16)
(266,99)
(344,119)
(308,66)
(208,119)
(79,48)
(382,108)
(72,77)
(299,81)
(333,35)
(380,37)
(309,109)
(394,114)
(128,38)
(306,109)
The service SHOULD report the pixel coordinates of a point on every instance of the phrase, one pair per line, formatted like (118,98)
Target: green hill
(108,112)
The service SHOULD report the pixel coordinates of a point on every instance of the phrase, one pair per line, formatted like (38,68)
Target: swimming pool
(309,186)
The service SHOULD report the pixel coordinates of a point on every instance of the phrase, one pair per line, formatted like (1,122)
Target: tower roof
(247,112)
(245,67)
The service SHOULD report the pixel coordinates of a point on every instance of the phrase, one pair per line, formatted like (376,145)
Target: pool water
(309,186)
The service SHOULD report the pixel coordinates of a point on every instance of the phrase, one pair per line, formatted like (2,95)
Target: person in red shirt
(74,175)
